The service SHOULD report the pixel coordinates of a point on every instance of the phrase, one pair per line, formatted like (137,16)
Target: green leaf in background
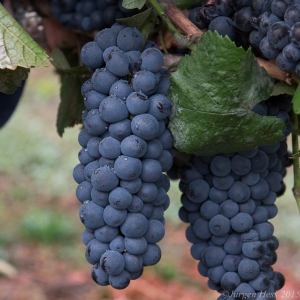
(147,27)
(213,92)
(283,88)
(183,4)
(46,227)
(137,20)
(71,100)
(59,60)
(71,105)
(296,101)
(131,4)
(10,80)
(17,47)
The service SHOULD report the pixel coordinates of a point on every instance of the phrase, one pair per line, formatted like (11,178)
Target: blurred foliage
(166,271)
(47,227)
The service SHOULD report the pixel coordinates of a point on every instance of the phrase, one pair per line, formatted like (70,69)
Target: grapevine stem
(174,65)
(180,39)
(296,165)
(161,39)
(178,18)
(274,71)
(171,15)
(148,26)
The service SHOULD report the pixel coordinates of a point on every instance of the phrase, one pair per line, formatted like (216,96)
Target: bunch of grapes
(270,26)
(89,15)
(228,199)
(126,146)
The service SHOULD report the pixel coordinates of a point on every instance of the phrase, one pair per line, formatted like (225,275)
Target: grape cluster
(126,146)
(227,200)
(270,26)
(89,15)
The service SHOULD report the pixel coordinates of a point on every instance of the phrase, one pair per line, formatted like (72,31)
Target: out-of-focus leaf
(71,100)
(58,59)
(137,20)
(17,48)
(131,4)
(10,80)
(183,4)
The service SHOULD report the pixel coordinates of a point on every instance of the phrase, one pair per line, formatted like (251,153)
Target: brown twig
(178,18)
(274,71)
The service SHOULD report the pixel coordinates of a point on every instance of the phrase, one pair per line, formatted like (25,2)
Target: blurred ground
(40,229)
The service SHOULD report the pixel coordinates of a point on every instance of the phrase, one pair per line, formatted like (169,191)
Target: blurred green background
(41,254)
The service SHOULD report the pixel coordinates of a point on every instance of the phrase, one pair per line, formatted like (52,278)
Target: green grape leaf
(213,92)
(10,80)
(17,47)
(283,88)
(59,60)
(296,101)
(71,103)
(137,20)
(131,4)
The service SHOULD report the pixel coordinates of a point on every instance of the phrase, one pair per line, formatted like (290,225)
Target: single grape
(152,255)
(145,126)
(133,263)
(223,25)
(133,146)
(241,20)
(102,80)
(121,89)
(213,256)
(132,186)
(127,168)
(117,244)
(144,81)
(106,38)
(208,209)
(284,64)
(120,130)
(134,60)
(99,276)
(114,217)
(104,179)
(118,63)
(91,215)
(129,39)
(113,109)
(248,269)
(91,55)
(94,251)
(278,35)
(267,50)
(152,60)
